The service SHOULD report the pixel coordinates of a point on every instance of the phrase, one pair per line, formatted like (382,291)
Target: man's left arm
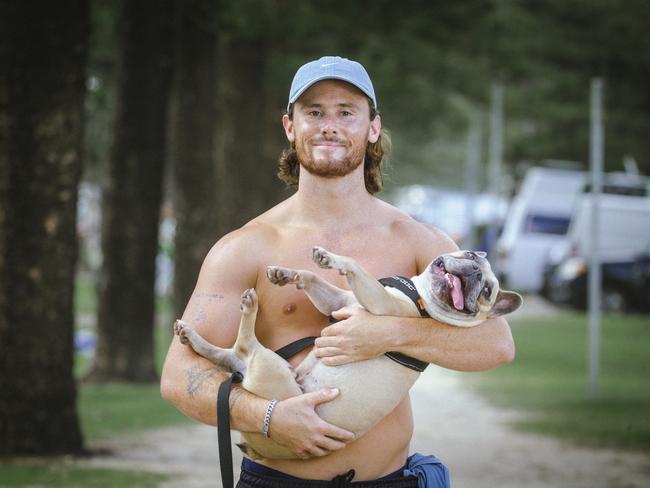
(478,348)
(362,335)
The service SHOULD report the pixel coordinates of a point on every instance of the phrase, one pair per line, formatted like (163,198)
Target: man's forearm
(192,384)
(479,348)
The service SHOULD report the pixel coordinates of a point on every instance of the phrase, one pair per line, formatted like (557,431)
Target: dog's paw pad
(279,276)
(321,257)
(248,301)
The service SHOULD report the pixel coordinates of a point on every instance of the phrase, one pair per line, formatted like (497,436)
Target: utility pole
(596,150)
(495,158)
(471,179)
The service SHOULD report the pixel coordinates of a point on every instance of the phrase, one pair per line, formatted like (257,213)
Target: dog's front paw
(321,257)
(282,276)
(249,301)
(181,329)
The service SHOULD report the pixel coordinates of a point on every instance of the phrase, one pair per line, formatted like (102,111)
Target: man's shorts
(419,472)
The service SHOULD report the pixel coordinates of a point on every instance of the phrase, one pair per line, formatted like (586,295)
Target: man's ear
(287,123)
(507,302)
(375,129)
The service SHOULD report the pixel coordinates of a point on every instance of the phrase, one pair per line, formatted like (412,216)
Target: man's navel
(289,308)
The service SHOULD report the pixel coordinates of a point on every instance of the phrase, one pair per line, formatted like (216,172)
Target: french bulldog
(458,288)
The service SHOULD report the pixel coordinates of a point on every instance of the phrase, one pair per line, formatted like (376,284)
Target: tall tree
(193,129)
(246,175)
(134,194)
(42,93)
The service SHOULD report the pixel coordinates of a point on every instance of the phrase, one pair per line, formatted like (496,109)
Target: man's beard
(332,167)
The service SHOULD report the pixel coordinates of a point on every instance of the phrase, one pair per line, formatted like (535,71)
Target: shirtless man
(333,127)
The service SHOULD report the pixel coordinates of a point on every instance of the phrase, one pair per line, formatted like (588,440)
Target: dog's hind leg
(225,358)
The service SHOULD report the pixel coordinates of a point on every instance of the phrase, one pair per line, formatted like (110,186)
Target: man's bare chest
(285,313)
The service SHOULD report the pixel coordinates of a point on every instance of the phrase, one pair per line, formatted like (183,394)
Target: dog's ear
(507,302)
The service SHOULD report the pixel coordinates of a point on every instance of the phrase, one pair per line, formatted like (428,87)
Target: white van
(537,220)
(624,228)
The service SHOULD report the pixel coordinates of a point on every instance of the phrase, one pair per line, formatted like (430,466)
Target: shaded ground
(472,437)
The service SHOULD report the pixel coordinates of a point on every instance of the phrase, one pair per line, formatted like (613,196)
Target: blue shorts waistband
(258,468)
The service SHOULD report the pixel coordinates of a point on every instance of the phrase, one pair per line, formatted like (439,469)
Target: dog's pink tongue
(456,290)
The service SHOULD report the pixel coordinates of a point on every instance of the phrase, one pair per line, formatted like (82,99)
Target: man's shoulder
(245,245)
(425,240)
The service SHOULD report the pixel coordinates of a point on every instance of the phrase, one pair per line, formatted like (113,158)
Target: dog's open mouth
(454,284)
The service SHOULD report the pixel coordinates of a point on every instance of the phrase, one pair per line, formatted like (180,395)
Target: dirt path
(472,437)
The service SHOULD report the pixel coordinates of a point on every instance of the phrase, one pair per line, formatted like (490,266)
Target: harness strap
(295,347)
(407,287)
(223,410)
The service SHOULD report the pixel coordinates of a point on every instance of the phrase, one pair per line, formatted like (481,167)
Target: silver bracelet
(267,417)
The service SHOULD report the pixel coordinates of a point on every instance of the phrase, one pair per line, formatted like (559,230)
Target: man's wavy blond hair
(375,159)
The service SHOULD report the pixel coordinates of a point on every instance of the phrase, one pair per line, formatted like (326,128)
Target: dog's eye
(470,255)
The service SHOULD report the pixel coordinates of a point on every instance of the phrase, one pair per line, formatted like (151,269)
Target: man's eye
(345,113)
(314,113)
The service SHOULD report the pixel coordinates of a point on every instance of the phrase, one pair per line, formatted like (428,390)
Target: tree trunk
(42,94)
(246,175)
(133,196)
(194,124)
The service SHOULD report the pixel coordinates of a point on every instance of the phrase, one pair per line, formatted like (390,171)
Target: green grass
(112,409)
(548,380)
(63,475)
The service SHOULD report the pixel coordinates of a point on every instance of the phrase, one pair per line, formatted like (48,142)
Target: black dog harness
(404,285)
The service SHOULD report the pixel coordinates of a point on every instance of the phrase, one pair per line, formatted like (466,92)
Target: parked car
(623,249)
(625,284)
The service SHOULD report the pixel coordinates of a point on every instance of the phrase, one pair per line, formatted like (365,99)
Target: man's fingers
(336,360)
(337,433)
(323,395)
(317,451)
(330,444)
(342,313)
(321,352)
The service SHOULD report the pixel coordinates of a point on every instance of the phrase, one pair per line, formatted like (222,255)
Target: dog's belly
(369,390)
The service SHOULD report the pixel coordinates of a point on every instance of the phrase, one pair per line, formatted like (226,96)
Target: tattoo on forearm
(196,378)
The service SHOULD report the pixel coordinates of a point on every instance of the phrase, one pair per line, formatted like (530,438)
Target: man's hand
(360,335)
(296,425)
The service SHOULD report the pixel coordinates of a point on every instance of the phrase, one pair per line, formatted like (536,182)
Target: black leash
(223,410)
(223,429)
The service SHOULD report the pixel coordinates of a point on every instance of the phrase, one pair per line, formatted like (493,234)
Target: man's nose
(328,126)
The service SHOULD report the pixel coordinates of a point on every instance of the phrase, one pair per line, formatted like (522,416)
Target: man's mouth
(454,284)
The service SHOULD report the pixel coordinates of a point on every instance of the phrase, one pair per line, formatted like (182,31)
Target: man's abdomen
(380,451)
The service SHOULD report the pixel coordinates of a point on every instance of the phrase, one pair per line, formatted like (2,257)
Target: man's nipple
(289,308)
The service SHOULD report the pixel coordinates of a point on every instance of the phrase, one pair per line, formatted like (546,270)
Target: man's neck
(322,200)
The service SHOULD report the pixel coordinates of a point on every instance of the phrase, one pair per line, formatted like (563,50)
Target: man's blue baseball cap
(331,68)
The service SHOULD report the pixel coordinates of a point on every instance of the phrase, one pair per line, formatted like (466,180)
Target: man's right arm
(190,382)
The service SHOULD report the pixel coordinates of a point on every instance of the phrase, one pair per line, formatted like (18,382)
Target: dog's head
(461,289)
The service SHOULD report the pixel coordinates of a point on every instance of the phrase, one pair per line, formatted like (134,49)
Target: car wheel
(614,300)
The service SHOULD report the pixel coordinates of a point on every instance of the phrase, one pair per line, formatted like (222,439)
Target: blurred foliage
(433,63)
